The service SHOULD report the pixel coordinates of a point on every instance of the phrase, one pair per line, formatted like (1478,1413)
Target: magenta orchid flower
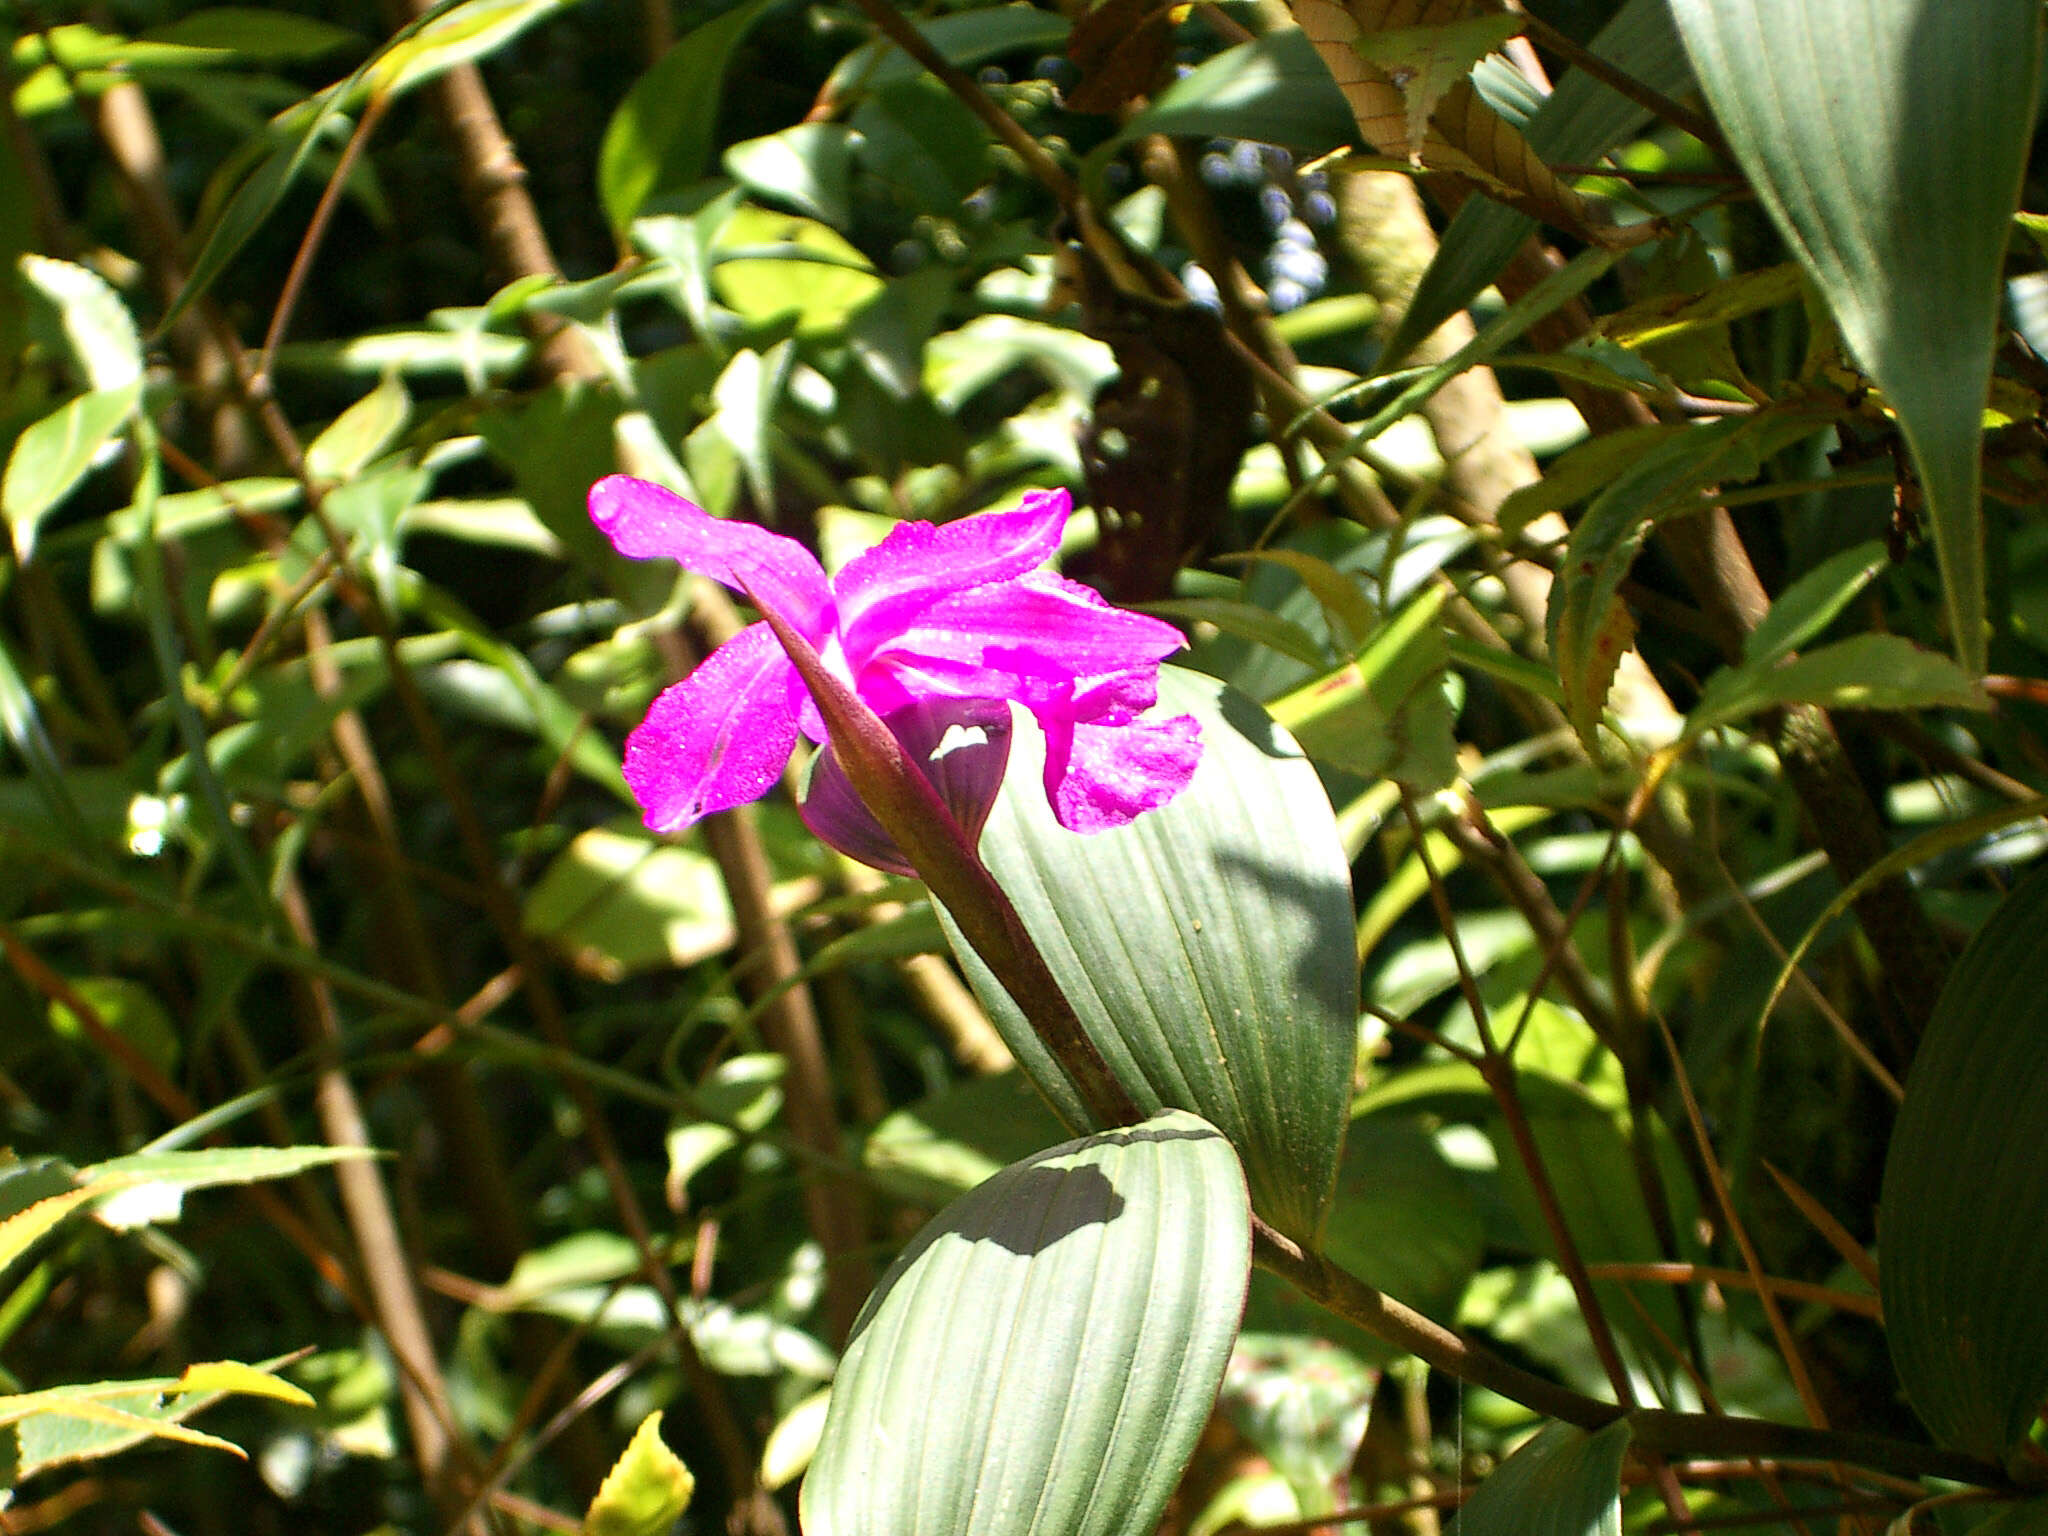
(937,629)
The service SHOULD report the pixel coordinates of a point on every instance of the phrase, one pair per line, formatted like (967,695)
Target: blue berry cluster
(1293,205)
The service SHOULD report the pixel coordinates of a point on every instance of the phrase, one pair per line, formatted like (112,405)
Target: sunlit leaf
(1206,946)
(1042,1358)
(53,455)
(645,1492)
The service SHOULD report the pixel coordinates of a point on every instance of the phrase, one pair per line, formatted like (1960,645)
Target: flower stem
(910,810)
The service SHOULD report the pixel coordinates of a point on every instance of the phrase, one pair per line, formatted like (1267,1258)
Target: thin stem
(316,230)
(1499,1072)
(1402,1326)
(1795,1362)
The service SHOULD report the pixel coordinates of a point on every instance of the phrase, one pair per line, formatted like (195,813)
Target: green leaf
(1405,1221)
(946,1144)
(1964,1211)
(1588,626)
(360,433)
(659,140)
(253,33)
(1578,122)
(1043,1357)
(458,34)
(1384,715)
(1303,1404)
(1561,1482)
(1340,592)
(84,1422)
(1593,1172)
(24,1228)
(1861,672)
(967,38)
(746,395)
(1247,621)
(127,1008)
(1275,89)
(53,455)
(770,265)
(214,1166)
(89,319)
(619,903)
(806,166)
(1892,168)
(1813,602)
(645,1492)
(1206,947)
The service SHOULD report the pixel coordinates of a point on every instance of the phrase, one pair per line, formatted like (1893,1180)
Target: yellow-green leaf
(645,1491)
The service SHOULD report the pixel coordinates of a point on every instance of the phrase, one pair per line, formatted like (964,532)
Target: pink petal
(883,590)
(1043,626)
(968,774)
(645,521)
(717,739)
(1102,776)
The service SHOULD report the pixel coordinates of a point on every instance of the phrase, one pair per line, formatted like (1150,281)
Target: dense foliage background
(1589,462)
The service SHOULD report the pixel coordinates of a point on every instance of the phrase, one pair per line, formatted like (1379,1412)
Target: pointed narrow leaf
(1043,1357)
(1273,89)
(1562,1482)
(1813,602)
(218,1376)
(1578,122)
(1861,672)
(25,1228)
(1964,1211)
(213,1166)
(1385,714)
(1589,626)
(460,34)
(1206,947)
(1887,139)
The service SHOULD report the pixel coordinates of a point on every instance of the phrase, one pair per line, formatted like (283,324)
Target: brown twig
(1498,1070)
(1708,1274)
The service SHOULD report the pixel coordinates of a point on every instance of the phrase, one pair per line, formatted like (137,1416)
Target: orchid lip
(962,746)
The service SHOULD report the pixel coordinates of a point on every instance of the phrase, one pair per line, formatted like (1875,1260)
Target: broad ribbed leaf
(1964,1212)
(1042,1358)
(1887,138)
(1206,947)
(1562,1482)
